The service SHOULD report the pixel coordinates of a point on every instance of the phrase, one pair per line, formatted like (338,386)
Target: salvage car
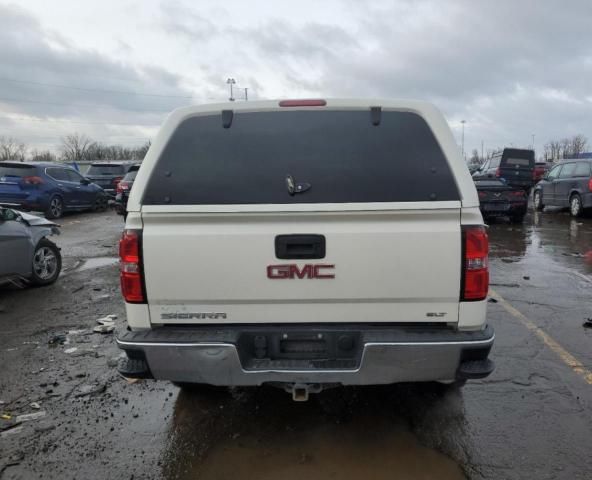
(567,185)
(51,188)
(26,254)
(124,188)
(108,174)
(497,198)
(515,165)
(305,244)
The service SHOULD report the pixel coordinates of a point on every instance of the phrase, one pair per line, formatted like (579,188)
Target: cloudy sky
(112,69)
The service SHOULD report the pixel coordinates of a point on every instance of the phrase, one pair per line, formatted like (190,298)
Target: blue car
(51,188)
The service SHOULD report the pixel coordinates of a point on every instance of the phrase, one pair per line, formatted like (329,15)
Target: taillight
(518,193)
(303,103)
(498,172)
(475,273)
(121,186)
(590,184)
(482,195)
(33,180)
(116,181)
(130,274)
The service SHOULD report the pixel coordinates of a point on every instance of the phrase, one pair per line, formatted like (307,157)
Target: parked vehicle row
(51,188)
(124,188)
(567,185)
(502,182)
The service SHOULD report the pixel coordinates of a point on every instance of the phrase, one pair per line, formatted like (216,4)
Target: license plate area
(299,350)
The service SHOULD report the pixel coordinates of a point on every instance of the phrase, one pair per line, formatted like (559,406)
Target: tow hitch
(301,391)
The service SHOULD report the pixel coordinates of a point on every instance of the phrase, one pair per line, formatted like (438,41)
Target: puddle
(337,451)
(273,437)
(97,262)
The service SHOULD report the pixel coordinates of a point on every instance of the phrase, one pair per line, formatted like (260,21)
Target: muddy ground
(530,419)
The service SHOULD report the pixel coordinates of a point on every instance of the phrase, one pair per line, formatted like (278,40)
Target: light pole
(533,141)
(463,137)
(231,82)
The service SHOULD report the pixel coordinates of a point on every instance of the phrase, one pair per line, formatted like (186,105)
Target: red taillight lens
(131,276)
(518,193)
(590,184)
(116,181)
(33,180)
(475,283)
(303,103)
(498,172)
(482,194)
(122,186)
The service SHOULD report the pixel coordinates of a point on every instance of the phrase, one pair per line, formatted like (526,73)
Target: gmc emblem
(321,271)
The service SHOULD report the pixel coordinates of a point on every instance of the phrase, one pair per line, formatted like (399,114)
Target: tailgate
(381,266)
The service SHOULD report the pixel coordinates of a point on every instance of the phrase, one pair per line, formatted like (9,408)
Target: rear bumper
(38,201)
(226,356)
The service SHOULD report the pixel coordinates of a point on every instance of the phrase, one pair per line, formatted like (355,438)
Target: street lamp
(463,137)
(231,82)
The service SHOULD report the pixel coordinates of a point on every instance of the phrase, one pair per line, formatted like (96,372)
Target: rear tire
(101,203)
(538,201)
(575,206)
(55,208)
(47,263)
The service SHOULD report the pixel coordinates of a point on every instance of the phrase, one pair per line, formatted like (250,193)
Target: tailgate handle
(299,246)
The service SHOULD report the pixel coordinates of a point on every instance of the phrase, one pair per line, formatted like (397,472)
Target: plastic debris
(587,323)
(108,320)
(30,416)
(105,328)
(35,405)
(59,338)
(6,416)
(70,350)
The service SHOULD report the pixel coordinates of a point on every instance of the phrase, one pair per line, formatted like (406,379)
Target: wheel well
(572,193)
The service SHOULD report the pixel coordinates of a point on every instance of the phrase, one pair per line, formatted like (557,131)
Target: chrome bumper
(385,356)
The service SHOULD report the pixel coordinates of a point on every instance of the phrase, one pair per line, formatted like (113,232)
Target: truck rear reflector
(475,274)
(130,274)
(311,102)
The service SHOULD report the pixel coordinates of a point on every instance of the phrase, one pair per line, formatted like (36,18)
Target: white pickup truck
(305,244)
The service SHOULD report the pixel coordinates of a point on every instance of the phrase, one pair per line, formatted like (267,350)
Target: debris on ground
(35,405)
(107,320)
(27,417)
(587,323)
(107,328)
(512,285)
(58,339)
(70,350)
(492,300)
(526,277)
(11,431)
(85,390)
(77,289)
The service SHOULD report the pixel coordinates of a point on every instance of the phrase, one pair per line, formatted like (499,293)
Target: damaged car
(26,254)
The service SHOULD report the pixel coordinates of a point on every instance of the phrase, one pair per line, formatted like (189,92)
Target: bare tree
(475,159)
(553,150)
(577,145)
(141,152)
(12,149)
(75,147)
(42,156)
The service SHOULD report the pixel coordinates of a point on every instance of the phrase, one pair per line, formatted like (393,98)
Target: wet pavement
(530,419)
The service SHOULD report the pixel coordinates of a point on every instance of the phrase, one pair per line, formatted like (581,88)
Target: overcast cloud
(510,69)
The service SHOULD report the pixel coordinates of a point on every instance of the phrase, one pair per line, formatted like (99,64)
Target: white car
(305,244)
